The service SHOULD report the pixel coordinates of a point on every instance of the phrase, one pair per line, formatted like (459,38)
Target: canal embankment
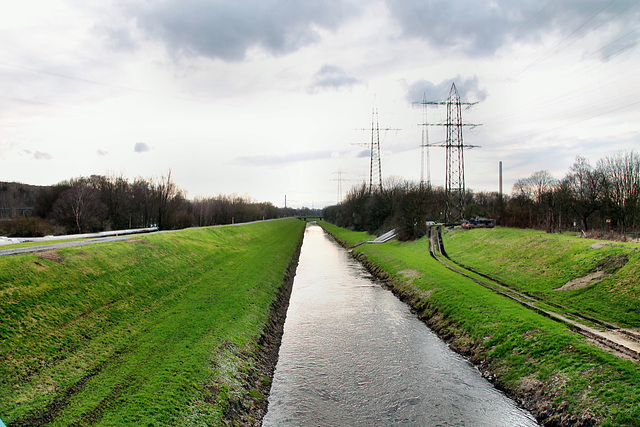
(166,329)
(562,377)
(353,354)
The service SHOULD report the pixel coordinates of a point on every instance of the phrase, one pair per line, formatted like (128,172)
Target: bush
(25,227)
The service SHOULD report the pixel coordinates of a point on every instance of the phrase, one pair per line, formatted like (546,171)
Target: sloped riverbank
(560,376)
(170,329)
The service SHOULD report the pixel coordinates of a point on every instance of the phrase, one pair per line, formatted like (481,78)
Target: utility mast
(454,146)
(425,144)
(375,169)
(339,172)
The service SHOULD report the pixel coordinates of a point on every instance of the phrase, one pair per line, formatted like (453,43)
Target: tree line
(98,203)
(604,196)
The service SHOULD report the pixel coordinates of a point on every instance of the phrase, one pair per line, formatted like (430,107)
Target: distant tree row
(604,197)
(98,203)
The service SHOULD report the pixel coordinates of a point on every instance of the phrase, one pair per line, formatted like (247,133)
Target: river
(352,354)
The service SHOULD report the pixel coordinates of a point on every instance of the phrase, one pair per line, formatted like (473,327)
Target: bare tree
(622,174)
(586,187)
(79,205)
(166,192)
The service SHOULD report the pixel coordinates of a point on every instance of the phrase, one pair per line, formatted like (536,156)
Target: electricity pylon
(425,144)
(454,146)
(375,166)
(340,179)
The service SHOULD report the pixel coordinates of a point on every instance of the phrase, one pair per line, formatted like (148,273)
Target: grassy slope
(350,237)
(146,331)
(536,263)
(553,370)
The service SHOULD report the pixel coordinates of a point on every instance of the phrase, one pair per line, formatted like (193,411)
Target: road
(53,246)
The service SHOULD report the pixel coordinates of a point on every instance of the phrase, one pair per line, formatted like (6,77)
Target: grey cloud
(332,77)
(468,89)
(479,28)
(38,155)
(227,29)
(141,147)
(118,36)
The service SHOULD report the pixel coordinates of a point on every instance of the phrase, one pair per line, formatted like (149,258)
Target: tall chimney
(501,179)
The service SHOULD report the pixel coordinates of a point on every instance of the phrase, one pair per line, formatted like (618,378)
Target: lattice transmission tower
(454,146)
(375,165)
(340,180)
(375,169)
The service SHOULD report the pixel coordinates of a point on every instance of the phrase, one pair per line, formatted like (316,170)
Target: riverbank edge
(537,401)
(250,409)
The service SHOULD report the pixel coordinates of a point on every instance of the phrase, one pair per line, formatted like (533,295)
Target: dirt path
(622,341)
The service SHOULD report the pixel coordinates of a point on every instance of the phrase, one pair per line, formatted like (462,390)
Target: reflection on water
(352,354)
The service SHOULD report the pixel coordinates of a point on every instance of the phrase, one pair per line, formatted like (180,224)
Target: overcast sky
(272,97)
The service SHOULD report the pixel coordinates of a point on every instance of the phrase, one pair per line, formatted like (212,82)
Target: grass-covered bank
(161,330)
(590,277)
(554,372)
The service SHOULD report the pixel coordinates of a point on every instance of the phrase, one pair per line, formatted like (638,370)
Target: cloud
(228,29)
(282,160)
(38,155)
(332,77)
(481,28)
(468,89)
(141,147)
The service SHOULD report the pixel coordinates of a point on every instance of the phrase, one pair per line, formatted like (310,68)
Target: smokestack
(500,179)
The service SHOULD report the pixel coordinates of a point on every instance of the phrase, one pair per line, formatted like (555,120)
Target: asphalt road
(52,246)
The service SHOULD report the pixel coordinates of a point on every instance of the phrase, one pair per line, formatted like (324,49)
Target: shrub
(25,227)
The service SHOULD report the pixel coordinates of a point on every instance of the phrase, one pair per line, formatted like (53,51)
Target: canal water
(352,354)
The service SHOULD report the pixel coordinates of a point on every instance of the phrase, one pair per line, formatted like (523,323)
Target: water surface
(352,354)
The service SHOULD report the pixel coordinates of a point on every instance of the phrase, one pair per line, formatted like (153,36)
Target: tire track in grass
(629,347)
(60,402)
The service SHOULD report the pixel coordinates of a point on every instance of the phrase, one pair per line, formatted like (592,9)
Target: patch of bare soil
(410,273)
(598,245)
(52,256)
(582,282)
(140,241)
(612,263)
(601,271)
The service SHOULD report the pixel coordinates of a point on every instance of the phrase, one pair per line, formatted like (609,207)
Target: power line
(31,102)
(576,122)
(563,40)
(66,76)
(92,82)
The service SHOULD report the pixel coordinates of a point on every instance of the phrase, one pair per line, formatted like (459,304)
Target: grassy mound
(589,277)
(161,329)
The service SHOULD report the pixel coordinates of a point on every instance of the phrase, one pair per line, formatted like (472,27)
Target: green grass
(528,353)
(351,238)
(537,263)
(148,331)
